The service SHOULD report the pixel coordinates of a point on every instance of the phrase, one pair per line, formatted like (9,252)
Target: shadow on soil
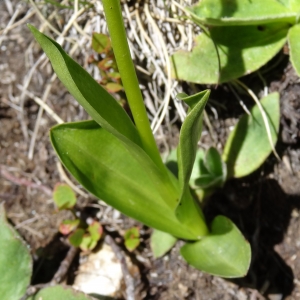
(262,211)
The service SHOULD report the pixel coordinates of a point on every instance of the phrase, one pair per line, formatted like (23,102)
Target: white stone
(100,273)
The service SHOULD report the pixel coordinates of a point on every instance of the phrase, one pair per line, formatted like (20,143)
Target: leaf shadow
(232,41)
(262,211)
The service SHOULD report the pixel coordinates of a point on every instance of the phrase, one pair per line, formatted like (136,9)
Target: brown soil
(265,205)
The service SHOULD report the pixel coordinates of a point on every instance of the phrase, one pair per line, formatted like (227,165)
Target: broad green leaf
(248,146)
(63,196)
(15,261)
(99,104)
(59,293)
(188,211)
(126,179)
(132,238)
(224,252)
(161,242)
(242,12)
(241,50)
(294,5)
(294,43)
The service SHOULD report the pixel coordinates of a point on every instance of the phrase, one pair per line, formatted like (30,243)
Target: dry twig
(58,276)
(127,276)
(22,181)
(65,265)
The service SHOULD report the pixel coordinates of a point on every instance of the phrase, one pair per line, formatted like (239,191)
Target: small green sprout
(132,238)
(64,197)
(110,77)
(79,233)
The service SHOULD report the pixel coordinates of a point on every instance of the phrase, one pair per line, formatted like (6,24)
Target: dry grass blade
(42,103)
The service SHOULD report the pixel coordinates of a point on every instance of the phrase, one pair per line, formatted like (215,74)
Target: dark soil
(265,205)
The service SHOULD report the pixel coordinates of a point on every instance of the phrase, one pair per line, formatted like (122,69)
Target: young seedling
(238,38)
(246,149)
(132,238)
(63,196)
(118,160)
(110,76)
(79,233)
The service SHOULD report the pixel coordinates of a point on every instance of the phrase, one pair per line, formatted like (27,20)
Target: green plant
(15,261)
(79,233)
(132,238)
(245,150)
(110,76)
(118,160)
(239,36)
(16,269)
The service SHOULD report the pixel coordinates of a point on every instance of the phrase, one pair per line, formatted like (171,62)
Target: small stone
(275,296)
(101,273)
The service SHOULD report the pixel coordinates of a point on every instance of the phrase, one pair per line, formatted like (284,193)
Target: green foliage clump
(238,37)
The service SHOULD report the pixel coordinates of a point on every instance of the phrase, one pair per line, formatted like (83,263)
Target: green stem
(130,82)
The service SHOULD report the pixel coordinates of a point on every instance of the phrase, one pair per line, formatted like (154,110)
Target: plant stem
(130,82)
